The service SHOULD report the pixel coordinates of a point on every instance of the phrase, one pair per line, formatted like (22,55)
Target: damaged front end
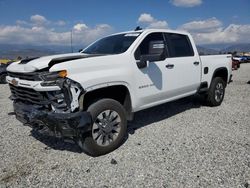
(59,111)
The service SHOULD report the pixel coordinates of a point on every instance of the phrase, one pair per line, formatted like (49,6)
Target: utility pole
(71,40)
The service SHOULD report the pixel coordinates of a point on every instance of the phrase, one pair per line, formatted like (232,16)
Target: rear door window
(179,45)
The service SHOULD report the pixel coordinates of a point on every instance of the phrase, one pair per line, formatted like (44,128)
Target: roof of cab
(154,30)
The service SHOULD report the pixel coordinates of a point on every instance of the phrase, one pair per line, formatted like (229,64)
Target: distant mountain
(206,51)
(12,51)
(237,48)
(13,54)
(217,47)
(223,48)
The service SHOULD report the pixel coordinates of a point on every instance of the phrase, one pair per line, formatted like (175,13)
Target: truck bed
(214,62)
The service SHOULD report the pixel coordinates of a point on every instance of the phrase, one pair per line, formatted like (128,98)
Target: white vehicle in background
(89,96)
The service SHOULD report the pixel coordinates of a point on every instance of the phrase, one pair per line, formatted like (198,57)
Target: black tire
(216,92)
(93,146)
(3,79)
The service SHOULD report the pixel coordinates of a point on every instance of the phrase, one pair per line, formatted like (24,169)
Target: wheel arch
(118,91)
(221,72)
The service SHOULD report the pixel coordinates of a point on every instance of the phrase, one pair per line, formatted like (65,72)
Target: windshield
(114,44)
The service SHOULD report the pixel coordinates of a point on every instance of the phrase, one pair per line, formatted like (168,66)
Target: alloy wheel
(106,127)
(219,92)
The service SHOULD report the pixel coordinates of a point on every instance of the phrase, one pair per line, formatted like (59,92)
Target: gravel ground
(179,144)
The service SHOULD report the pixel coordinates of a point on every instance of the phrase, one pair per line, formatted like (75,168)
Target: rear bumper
(65,125)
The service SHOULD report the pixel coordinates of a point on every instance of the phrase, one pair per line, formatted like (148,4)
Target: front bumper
(65,125)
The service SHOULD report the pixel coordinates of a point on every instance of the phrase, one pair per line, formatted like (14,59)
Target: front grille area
(25,76)
(29,95)
(43,99)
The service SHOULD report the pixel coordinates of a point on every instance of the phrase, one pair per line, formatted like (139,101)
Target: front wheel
(216,92)
(108,130)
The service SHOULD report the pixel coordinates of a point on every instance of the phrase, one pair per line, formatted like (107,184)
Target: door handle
(170,66)
(196,63)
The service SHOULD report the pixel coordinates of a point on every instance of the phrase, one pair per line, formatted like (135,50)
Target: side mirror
(80,50)
(157,52)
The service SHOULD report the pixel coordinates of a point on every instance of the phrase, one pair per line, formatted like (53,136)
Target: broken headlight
(51,78)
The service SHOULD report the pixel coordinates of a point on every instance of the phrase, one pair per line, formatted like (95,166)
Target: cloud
(39,32)
(186,3)
(84,34)
(145,18)
(35,35)
(60,23)
(80,27)
(38,19)
(208,25)
(150,22)
(158,25)
(207,31)
(21,22)
(211,31)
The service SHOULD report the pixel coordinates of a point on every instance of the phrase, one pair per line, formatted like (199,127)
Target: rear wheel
(108,130)
(3,79)
(216,92)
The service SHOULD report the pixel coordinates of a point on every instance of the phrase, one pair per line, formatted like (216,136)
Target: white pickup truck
(90,95)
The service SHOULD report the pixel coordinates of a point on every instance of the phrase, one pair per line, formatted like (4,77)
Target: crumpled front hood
(32,65)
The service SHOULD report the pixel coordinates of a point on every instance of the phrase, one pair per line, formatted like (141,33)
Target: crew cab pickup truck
(90,95)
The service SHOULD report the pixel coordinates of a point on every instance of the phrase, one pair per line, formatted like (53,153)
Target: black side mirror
(157,52)
(80,50)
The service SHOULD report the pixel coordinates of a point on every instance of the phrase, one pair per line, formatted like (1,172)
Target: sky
(51,22)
